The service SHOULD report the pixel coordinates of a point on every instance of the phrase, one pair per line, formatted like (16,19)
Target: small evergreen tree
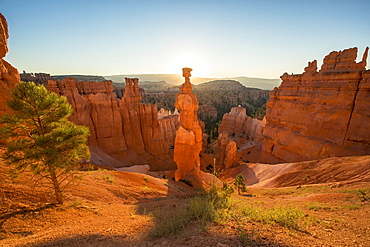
(239,183)
(40,138)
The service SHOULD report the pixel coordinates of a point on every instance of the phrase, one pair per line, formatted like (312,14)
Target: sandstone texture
(122,132)
(237,123)
(226,152)
(168,126)
(319,114)
(144,169)
(334,172)
(9,75)
(189,136)
(238,135)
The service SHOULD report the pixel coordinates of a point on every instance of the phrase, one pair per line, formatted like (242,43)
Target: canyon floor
(110,208)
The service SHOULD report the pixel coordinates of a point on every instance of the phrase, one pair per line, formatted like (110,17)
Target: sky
(217,38)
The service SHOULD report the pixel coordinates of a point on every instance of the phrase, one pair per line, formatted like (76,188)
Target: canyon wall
(319,114)
(9,75)
(122,132)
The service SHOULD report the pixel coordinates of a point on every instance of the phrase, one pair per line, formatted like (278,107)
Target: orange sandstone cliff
(122,132)
(319,114)
(9,75)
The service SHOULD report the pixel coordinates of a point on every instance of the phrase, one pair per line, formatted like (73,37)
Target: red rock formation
(39,78)
(168,128)
(123,133)
(226,152)
(321,114)
(189,136)
(9,75)
(237,123)
(237,134)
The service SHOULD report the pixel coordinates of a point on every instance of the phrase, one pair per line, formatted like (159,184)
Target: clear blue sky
(217,38)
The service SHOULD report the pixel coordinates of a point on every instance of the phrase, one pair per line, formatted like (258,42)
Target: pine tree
(239,183)
(41,139)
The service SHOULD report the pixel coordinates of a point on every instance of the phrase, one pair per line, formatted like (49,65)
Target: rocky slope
(320,114)
(335,171)
(123,132)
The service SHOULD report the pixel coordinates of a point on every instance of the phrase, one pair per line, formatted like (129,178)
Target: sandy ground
(111,208)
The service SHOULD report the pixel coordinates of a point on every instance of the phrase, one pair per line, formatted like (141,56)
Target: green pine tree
(239,183)
(41,139)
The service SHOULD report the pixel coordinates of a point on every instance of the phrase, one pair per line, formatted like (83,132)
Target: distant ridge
(80,77)
(221,85)
(176,79)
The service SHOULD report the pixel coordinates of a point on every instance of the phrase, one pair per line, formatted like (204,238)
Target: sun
(190,61)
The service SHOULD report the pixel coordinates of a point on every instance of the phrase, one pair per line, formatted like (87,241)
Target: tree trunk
(54,180)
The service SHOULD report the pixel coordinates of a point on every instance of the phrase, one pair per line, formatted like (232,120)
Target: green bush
(285,216)
(239,183)
(202,209)
(169,223)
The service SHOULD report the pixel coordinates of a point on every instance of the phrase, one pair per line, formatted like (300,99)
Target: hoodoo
(189,136)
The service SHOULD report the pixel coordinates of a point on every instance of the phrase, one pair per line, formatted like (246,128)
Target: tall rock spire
(188,141)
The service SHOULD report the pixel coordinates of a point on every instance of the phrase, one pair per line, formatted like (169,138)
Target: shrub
(202,209)
(239,183)
(283,215)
